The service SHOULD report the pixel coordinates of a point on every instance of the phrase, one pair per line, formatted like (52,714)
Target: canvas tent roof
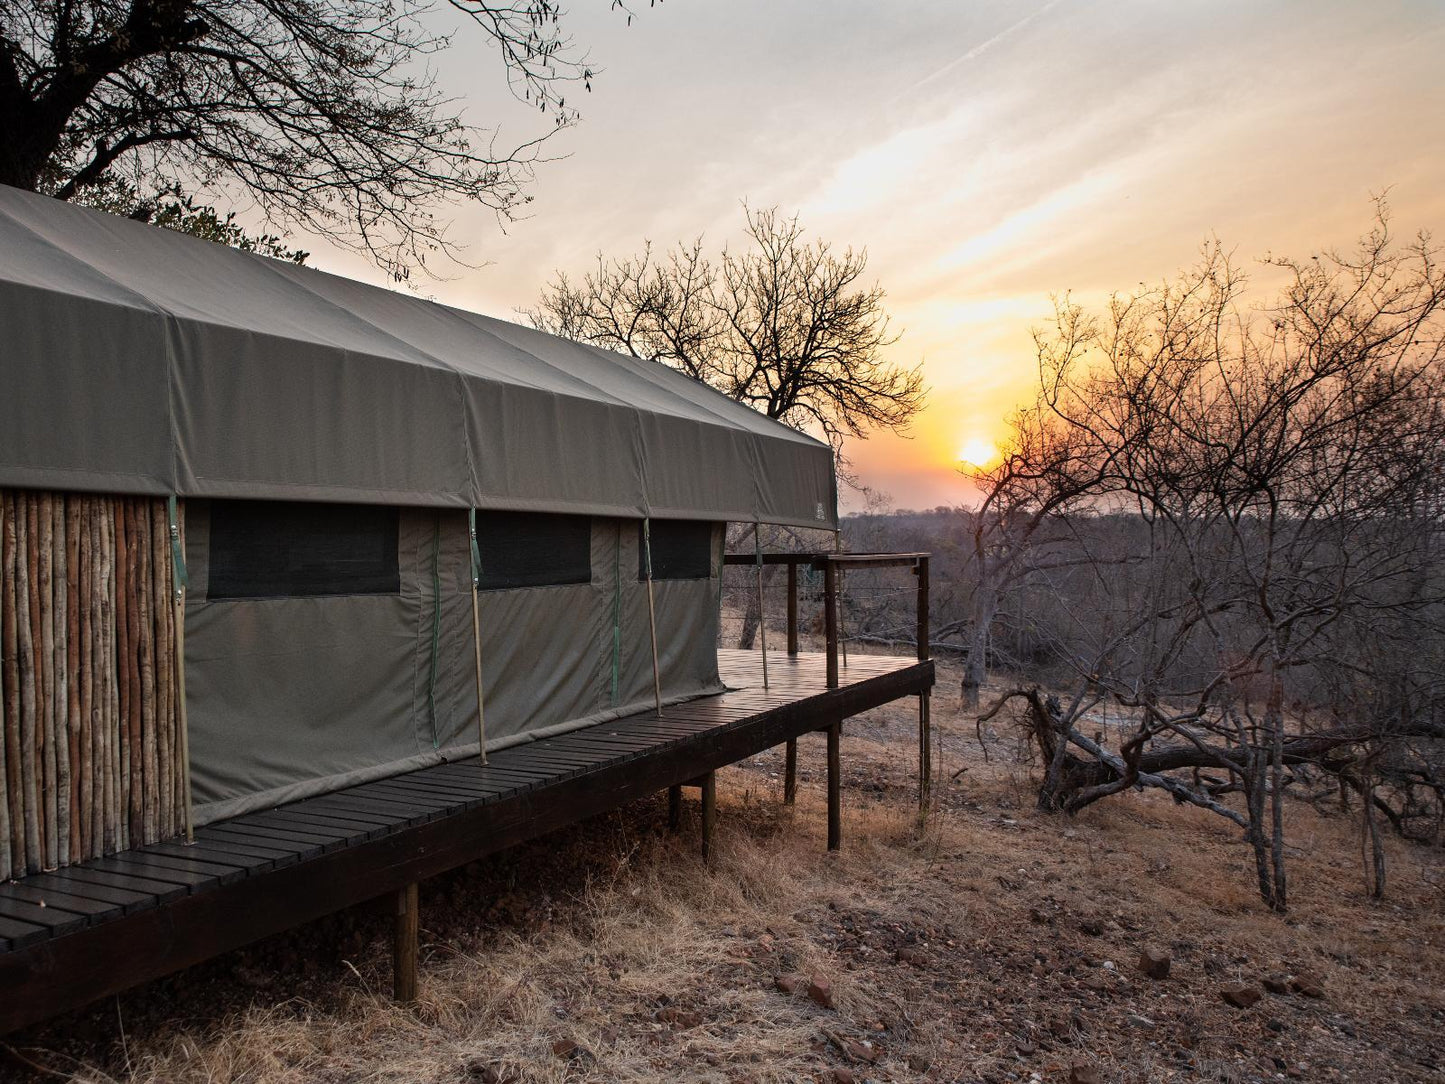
(137,360)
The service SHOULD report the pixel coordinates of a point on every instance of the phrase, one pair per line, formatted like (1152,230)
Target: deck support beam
(790,772)
(792,608)
(925,752)
(674,808)
(708,783)
(835,789)
(925,717)
(404,945)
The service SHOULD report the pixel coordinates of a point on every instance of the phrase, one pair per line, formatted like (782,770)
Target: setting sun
(978,452)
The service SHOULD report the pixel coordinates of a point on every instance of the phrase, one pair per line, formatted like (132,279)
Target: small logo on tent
(818,512)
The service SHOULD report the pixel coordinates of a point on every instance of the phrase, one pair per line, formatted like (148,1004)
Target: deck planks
(262,872)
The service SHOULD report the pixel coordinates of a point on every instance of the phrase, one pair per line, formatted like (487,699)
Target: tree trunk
(975,667)
(1370,839)
(1274,716)
(752,615)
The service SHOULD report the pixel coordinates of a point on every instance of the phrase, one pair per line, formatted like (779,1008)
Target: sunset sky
(987,155)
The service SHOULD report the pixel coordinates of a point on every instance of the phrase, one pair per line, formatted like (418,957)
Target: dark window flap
(681,550)
(533,549)
(281,549)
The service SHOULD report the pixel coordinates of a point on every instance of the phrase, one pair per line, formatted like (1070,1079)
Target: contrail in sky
(983,47)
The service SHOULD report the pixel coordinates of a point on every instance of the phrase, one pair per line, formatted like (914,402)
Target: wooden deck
(76,934)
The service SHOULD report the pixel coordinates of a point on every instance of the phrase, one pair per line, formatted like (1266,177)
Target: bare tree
(324,111)
(1025,523)
(786,326)
(1275,472)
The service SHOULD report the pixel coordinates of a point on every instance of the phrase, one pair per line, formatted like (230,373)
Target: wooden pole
(792,608)
(651,612)
(925,752)
(86,672)
(925,718)
(404,947)
(179,552)
(10,692)
(674,808)
(842,637)
(835,789)
(149,750)
(477,633)
(75,776)
(164,665)
(125,655)
(28,598)
(60,666)
(790,772)
(709,813)
(109,726)
(45,667)
(762,615)
(920,569)
(830,620)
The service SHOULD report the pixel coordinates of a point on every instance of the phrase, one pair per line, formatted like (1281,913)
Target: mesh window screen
(681,550)
(281,549)
(529,549)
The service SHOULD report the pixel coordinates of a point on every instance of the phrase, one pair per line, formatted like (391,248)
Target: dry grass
(614,936)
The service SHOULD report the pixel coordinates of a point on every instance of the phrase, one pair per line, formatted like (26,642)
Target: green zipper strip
(436,627)
(616,614)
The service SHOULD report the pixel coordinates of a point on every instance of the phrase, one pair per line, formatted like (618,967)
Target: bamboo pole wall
(89,745)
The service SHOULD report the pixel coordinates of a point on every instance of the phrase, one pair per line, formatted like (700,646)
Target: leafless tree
(1280,468)
(325,111)
(786,326)
(1025,524)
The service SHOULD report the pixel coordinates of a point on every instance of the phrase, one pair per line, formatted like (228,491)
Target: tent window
(681,550)
(282,549)
(527,549)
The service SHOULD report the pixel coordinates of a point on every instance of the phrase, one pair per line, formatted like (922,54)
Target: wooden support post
(762,614)
(709,812)
(674,808)
(921,571)
(403,950)
(792,608)
(835,789)
(838,604)
(830,619)
(790,772)
(925,752)
(925,720)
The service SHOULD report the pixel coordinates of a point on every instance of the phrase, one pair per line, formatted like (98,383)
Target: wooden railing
(831,564)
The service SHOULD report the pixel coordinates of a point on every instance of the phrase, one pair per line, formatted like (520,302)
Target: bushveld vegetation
(1210,558)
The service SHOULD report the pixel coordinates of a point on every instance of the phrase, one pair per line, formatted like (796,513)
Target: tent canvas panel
(167,364)
(296,696)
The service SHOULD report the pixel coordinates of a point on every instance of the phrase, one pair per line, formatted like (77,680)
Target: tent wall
(296,696)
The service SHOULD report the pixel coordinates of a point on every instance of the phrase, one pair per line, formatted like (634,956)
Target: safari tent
(245,506)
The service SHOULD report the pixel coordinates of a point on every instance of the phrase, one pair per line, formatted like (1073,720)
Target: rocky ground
(991,944)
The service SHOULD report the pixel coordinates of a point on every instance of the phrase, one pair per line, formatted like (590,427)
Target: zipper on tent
(181,580)
(436,626)
(616,612)
(477,632)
